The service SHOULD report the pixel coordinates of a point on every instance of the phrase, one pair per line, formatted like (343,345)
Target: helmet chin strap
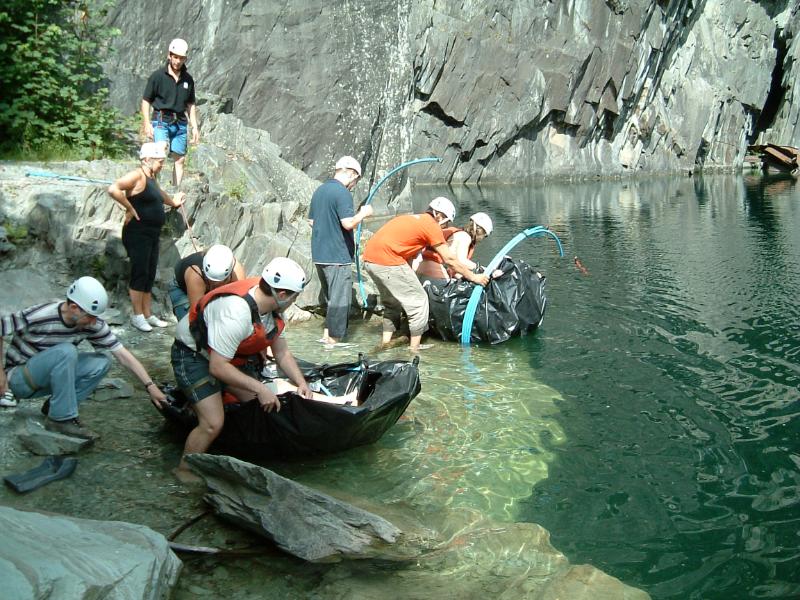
(282,304)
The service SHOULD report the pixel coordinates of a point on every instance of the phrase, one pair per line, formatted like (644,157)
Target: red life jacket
(253,344)
(430,254)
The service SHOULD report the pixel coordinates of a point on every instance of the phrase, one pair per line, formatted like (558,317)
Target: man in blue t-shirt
(332,246)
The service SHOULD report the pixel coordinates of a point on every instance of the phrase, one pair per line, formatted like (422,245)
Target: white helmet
(218,263)
(89,294)
(484,221)
(284,274)
(348,162)
(179,47)
(444,206)
(153,150)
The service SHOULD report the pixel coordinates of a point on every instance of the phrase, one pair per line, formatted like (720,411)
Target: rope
(60,177)
(52,175)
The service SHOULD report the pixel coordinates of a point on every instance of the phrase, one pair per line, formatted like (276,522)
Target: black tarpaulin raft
(511,305)
(306,427)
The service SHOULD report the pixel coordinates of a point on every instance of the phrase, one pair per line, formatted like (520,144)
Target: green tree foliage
(54,100)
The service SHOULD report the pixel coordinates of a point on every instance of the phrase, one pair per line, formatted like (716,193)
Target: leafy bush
(16,234)
(54,99)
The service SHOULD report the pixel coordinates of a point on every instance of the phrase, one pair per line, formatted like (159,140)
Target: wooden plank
(775,156)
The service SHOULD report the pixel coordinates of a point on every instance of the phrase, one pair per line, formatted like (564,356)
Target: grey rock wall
(786,127)
(501,90)
(240,192)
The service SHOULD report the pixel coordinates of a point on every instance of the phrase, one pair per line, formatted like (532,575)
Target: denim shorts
(174,133)
(192,374)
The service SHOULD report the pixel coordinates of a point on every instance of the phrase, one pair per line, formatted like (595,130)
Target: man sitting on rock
(43,358)
(220,345)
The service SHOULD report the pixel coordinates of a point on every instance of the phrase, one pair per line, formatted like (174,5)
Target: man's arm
(351,223)
(221,368)
(130,362)
(147,125)
(193,123)
(239,272)
(460,247)
(451,259)
(285,360)
(195,286)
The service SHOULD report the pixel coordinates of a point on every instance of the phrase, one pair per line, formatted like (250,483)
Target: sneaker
(140,323)
(71,428)
(8,400)
(156,322)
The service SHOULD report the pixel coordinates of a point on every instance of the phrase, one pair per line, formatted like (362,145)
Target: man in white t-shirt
(222,339)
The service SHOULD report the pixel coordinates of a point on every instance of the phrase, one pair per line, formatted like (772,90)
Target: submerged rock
(485,559)
(43,556)
(301,521)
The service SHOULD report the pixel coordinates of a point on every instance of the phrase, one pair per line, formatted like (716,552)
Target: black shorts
(141,244)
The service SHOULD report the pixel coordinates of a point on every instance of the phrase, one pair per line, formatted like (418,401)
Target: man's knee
(211,424)
(100,364)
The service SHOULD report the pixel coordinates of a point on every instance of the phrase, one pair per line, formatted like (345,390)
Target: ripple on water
(473,438)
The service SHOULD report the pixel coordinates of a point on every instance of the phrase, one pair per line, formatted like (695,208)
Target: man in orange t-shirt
(387,257)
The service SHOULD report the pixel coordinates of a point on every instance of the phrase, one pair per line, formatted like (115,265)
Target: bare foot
(187,477)
(395,343)
(420,347)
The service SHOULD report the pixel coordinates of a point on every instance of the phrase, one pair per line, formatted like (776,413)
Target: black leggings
(141,243)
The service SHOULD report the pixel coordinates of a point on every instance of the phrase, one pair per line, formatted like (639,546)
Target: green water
(676,468)
(650,425)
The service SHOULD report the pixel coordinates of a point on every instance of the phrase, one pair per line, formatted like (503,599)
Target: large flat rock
(51,556)
(301,521)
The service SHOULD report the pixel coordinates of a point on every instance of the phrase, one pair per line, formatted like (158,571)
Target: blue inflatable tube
(52,175)
(372,193)
(475,297)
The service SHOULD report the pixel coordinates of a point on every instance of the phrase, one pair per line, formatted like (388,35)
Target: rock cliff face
(501,90)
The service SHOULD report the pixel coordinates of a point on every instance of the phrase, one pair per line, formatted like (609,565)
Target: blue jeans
(179,299)
(174,133)
(62,372)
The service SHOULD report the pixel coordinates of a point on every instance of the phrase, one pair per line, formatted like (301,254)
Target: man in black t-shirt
(170,92)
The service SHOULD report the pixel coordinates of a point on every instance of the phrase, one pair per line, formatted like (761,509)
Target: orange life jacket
(253,344)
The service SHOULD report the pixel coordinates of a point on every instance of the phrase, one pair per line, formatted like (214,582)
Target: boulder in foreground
(301,521)
(54,556)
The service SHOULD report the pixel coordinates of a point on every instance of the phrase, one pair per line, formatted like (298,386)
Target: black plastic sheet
(511,305)
(306,427)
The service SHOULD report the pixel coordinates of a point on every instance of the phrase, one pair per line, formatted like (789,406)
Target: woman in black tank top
(139,194)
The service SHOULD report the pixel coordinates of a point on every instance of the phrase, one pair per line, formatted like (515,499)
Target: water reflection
(676,361)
